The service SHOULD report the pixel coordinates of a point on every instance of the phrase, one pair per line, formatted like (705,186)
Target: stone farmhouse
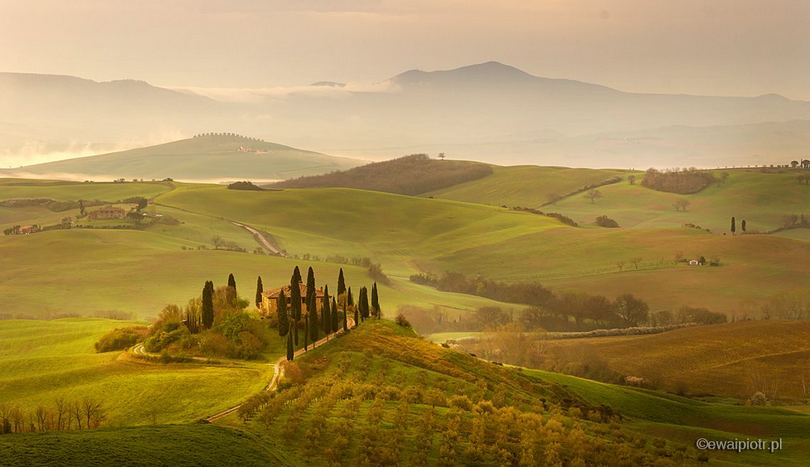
(269,305)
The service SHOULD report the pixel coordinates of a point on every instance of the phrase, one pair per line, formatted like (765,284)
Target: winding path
(261,238)
(278,371)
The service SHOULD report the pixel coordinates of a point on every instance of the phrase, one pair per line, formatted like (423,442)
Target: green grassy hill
(762,198)
(199,158)
(525,186)
(379,394)
(41,361)
(411,234)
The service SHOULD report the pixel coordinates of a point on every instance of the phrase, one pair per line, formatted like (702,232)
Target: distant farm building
(270,299)
(107,212)
(694,262)
(29,229)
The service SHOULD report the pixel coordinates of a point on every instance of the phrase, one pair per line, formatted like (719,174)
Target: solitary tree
(733,225)
(283,319)
(232,288)
(681,204)
(341,290)
(593,194)
(375,301)
(259,290)
(631,179)
(743,225)
(208,305)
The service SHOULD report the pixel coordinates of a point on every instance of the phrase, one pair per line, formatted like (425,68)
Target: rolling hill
(381,395)
(206,158)
(734,360)
(409,175)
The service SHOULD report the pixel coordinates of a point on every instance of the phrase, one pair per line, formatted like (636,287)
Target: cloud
(257,95)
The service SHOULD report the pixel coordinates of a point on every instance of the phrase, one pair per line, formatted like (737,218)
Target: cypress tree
(375,301)
(296,274)
(312,313)
(283,319)
(363,303)
(306,332)
(733,225)
(334,316)
(310,297)
(259,290)
(742,225)
(208,305)
(326,312)
(345,319)
(341,294)
(232,288)
(295,302)
(350,301)
(290,347)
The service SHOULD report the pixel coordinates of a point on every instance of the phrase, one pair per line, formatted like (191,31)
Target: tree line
(62,415)
(567,312)
(684,181)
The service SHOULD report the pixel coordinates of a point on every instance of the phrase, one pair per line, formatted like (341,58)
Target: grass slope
(525,186)
(200,158)
(178,445)
(734,359)
(760,198)
(41,361)
(410,234)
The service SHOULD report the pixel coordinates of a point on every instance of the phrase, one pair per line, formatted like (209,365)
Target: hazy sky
(741,47)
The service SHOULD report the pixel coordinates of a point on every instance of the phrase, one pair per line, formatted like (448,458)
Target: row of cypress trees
(333,313)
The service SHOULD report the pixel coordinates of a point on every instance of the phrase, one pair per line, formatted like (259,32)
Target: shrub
(403,321)
(759,398)
(120,339)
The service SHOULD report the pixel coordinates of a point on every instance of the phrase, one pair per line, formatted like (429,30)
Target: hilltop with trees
(409,175)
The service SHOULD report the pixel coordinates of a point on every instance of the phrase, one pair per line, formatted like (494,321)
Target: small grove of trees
(245,185)
(61,415)
(120,339)
(213,324)
(605,221)
(678,181)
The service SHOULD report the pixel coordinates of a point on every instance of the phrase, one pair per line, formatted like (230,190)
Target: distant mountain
(409,175)
(203,158)
(490,112)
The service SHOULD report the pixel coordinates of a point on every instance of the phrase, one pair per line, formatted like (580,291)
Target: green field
(41,361)
(760,198)
(177,445)
(526,186)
